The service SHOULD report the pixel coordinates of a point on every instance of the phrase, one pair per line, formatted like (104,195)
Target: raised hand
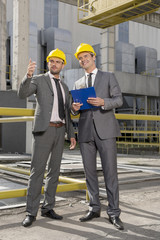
(31,68)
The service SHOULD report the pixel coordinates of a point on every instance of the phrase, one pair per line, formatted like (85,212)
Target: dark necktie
(90,80)
(60,99)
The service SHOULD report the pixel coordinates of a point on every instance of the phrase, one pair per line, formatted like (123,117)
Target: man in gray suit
(97,131)
(51,121)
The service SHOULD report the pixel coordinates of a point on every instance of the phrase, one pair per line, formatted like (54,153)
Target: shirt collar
(52,76)
(94,72)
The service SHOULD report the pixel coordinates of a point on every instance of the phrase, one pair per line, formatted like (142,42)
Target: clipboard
(81,96)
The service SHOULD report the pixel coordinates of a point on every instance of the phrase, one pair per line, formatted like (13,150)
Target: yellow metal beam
(71,184)
(137,117)
(140,131)
(13,193)
(16,119)
(16,112)
(138,143)
(30,112)
(60,188)
(27,172)
(12,169)
(71,187)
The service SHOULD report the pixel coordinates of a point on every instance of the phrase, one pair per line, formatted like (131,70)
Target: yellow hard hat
(57,53)
(84,47)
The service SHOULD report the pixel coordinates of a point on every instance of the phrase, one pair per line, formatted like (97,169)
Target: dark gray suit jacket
(106,87)
(41,86)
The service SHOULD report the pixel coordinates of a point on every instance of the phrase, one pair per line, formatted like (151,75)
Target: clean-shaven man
(97,131)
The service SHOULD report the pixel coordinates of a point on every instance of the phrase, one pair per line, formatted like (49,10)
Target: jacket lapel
(97,79)
(48,80)
(65,92)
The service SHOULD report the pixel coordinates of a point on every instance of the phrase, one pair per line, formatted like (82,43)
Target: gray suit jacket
(106,87)
(41,86)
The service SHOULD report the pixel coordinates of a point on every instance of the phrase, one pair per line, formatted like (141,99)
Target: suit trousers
(108,155)
(47,150)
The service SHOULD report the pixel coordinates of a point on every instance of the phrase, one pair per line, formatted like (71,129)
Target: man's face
(55,65)
(86,60)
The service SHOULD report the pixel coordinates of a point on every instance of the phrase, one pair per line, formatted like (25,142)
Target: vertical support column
(3,36)
(20,40)
(134,112)
(155,111)
(108,49)
(146,111)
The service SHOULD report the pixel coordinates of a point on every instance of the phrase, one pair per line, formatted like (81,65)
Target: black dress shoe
(90,215)
(116,221)
(51,214)
(29,219)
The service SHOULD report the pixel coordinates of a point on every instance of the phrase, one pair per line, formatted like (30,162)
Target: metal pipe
(16,111)
(60,188)
(16,119)
(72,184)
(27,172)
(30,112)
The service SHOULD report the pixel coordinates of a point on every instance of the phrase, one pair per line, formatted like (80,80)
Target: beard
(54,71)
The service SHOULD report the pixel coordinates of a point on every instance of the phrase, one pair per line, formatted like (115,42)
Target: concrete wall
(137,84)
(143,35)
(13,135)
(33,47)
(125,57)
(146,59)
(50,13)
(72,75)
(67,19)
(36,12)
(33,43)
(59,38)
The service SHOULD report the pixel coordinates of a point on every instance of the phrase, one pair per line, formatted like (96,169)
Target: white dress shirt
(55,115)
(94,72)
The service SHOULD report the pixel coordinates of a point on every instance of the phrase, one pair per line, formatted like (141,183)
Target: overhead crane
(107,13)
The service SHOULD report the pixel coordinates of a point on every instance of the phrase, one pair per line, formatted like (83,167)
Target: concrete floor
(139,202)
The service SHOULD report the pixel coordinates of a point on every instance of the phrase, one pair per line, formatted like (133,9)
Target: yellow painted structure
(16,119)
(23,192)
(71,184)
(107,13)
(16,111)
(30,112)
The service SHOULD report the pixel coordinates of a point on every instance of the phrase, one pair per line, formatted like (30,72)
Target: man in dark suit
(97,131)
(50,123)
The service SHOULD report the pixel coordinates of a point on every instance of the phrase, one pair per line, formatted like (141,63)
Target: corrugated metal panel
(106,13)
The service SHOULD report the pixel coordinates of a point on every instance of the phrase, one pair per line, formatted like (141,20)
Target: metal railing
(8,71)
(24,115)
(21,115)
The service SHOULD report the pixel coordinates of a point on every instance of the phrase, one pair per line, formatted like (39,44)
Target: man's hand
(73,143)
(76,106)
(96,101)
(31,68)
